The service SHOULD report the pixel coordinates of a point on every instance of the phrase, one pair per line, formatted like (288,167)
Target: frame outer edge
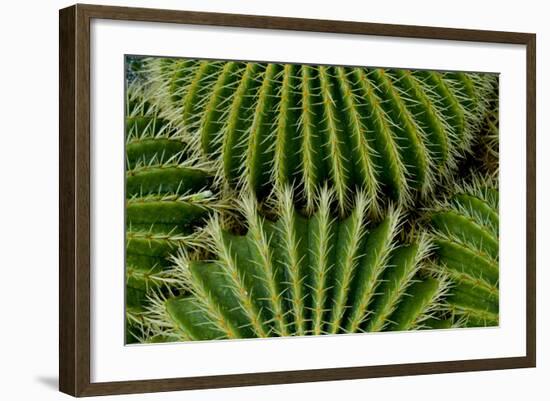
(82,200)
(67,176)
(301,24)
(74,200)
(531,304)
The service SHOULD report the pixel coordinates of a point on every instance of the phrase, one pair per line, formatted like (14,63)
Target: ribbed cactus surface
(465,233)
(300,276)
(390,133)
(168,194)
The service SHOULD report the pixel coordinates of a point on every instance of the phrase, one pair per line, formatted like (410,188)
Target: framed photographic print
(250,200)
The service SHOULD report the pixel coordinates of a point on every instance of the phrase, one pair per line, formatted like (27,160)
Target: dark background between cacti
(272,200)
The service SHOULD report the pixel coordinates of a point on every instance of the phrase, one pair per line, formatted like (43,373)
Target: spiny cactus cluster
(391,133)
(464,230)
(279,200)
(168,194)
(300,276)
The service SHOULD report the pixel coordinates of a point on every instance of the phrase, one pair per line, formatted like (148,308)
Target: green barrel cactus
(301,275)
(168,195)
(465,232)
(393,134)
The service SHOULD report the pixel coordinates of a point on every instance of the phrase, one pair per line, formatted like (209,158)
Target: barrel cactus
(168,195)
(391,133)
(465,232)
(301,275)
(268,200)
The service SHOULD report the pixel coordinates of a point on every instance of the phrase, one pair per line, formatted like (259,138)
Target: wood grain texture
(301,376)
(300,24)
(74,212)
(67,265)
(74,199)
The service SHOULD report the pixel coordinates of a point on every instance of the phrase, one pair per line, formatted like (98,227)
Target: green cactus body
(144,151)
(265,284)
(212,118)
(487,142)
(465,235)
(386,132)
(288,109)
(167,196)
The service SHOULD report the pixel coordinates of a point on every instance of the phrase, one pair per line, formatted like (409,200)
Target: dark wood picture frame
(74,203)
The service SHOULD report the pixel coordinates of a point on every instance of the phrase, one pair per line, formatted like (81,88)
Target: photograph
(267,199)
(244,200)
